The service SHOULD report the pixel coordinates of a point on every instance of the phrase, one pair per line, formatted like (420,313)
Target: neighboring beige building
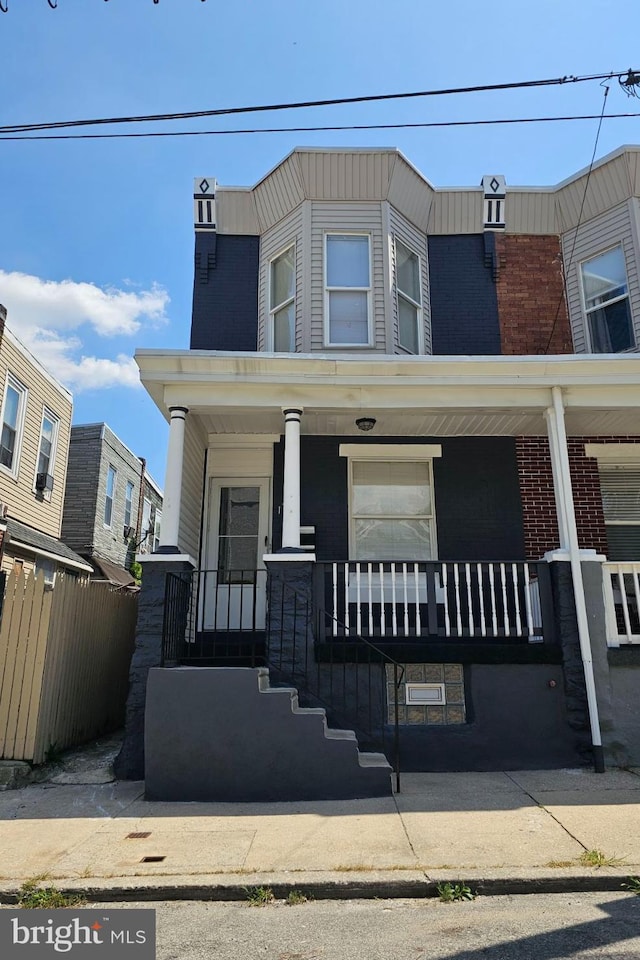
(35,422)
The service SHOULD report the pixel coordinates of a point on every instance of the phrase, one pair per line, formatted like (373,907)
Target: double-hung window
(347,289)
(606,302)
(146,534)
(157,528)
(392,515)
(13,409)
(110,495)
(282,303)
(409,299)
(128,503)
(47,448)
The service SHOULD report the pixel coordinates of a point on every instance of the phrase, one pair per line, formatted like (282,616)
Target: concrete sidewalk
(501,832)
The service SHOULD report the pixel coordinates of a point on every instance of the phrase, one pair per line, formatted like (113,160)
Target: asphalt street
(581,926)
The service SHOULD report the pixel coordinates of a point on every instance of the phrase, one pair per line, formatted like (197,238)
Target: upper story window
(47,449)
(13,410)
(347,289)
(282,305)
(146,534)
(128,503)
(111,492)
(409,299)
(606,302)
(157,529)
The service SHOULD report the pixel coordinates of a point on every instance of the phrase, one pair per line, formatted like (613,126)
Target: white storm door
(233,588)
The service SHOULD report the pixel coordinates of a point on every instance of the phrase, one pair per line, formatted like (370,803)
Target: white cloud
(43,314)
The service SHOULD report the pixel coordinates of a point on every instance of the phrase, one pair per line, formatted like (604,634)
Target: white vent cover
(494,187)
(421,693)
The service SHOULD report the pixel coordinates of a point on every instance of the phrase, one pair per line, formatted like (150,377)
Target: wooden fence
(64,663)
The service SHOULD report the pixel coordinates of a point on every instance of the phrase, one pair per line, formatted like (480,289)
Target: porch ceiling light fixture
(365,423)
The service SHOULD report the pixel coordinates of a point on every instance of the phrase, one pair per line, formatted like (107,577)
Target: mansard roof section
(379,174)
(613,180)
(358,174)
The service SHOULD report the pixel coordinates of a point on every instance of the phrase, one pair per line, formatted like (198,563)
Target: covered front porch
(425,562)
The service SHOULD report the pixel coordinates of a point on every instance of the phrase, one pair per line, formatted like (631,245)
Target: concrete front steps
(224,734)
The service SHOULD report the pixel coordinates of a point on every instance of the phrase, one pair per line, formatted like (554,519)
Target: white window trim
(327,290)
(108,526)
(146,541)
(55,420)
(401,294)
(587,310)
(12,381)
(128,484)
(614,452)
(157,527)
(377,452)
(271,339)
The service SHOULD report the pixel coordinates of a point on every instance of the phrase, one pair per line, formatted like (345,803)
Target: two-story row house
(408,421)
(112,507)
(35,421)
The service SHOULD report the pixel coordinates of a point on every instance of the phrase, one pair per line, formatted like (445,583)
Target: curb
(338,890)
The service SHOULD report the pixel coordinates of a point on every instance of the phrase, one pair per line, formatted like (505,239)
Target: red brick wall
(538,501)
(530,290)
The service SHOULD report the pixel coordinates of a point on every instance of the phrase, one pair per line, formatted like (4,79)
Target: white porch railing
(444,599)
(622,602)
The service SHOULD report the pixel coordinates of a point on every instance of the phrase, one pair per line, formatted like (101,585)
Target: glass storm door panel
(233,589)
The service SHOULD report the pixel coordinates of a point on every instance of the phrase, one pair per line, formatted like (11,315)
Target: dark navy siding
(477,495)
(464,303)
(225,292)
(478,505)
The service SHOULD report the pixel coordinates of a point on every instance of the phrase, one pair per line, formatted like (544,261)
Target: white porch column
(560,456)
(558,489)
(173,482)
(291,482)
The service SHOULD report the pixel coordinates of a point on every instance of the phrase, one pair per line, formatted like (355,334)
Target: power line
(338,128)
(564,296)
(229,111)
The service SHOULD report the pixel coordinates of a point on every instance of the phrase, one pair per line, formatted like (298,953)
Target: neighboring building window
(48,438)
(392,514)
(606,302)
(15,398)
(147,531)
(157,524)
(48,568)
(282,304)
(128,503)
(620,486)
(111,492)
(348,289)
(409,299)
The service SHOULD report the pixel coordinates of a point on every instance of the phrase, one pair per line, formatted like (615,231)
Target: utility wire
(564,296)
(363,126)
(228,111)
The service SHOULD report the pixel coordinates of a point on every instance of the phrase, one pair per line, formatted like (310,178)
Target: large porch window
(620,486)
(392,514)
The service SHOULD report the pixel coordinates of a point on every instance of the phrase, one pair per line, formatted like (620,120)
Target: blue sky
(96,245)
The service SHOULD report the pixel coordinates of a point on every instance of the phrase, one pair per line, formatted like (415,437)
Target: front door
(233,588)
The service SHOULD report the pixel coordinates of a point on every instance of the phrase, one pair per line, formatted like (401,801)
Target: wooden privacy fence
(64,663)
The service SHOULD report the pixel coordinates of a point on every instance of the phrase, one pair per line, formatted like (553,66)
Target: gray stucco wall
(215,733)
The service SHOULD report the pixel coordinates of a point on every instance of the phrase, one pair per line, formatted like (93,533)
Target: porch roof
(238,393)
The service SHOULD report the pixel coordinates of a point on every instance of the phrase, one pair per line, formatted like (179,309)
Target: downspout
(576,577)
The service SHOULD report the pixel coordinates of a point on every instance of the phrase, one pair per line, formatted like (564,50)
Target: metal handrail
(352,641)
